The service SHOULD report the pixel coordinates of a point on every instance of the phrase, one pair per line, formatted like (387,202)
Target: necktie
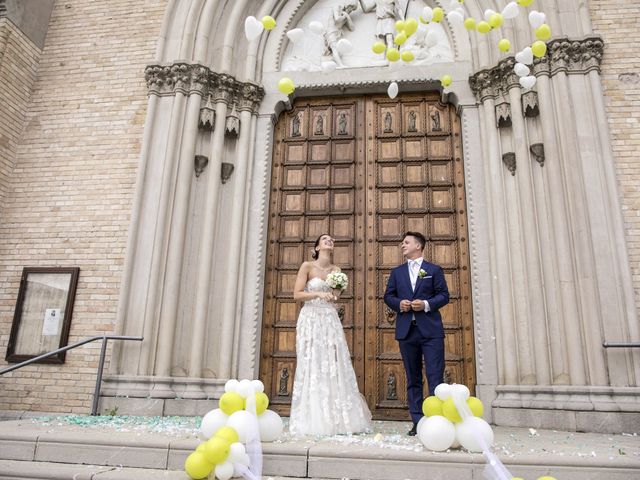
(414,273)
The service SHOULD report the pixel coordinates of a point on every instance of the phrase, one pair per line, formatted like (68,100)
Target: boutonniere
(422,273)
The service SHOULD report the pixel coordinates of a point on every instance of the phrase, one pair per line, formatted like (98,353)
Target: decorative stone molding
(530,106)
(509,159)
(3,8)
(164,80)
(537,150)
(207,115)
(226,171)
(503,115)
(232,126)
(563,55)
(199,164)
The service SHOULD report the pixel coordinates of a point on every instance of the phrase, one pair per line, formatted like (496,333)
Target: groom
(417,290)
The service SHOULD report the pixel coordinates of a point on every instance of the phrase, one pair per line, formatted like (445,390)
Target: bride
(325,399)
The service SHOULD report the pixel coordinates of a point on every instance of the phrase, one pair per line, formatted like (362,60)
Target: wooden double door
(365,170)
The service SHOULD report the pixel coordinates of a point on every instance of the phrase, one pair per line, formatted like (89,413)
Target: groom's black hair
(314,254)
(418,236)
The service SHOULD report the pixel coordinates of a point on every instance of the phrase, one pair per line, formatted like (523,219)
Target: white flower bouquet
(337,280)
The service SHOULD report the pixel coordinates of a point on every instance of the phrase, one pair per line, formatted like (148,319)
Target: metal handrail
(621,345)
(104,338)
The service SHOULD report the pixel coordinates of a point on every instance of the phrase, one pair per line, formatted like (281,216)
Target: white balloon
(437,433)
(521,69)
(224,471)
(525,56)
(236,452)
(443,391)
(487,14)
(231,385)
(344,46)
(245,388)
(328,66)
(242,421)
(295,35)
(455,18)
(252,28)
(510,11)
(427,14)
(211,422)
(258,386)
(528,82)
(392,90)
(474,434)
(453,4)
(270,426)
(536,18)
(316,27)
(432,39)
(240,466)
(457,389)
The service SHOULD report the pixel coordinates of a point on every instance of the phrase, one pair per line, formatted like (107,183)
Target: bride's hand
(326,296)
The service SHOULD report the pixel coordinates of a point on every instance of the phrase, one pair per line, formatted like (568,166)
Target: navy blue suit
(425,339)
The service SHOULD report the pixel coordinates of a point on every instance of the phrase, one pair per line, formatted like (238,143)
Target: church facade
(149,146)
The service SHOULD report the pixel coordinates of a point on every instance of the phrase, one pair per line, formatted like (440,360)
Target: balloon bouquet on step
(232,434)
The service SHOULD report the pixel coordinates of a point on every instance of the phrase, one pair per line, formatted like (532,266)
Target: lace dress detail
(325,399)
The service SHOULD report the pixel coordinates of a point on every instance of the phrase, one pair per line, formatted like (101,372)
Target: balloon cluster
(242,417)
(453,418)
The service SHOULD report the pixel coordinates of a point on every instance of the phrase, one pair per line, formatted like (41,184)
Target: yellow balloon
(216,450)
(539,48)
(393,55)
(438,14)
(400,38)
(543,32)
(469,23)
(400,26)
(422,20)
(231,401)
(269,23)
(476,406)
(378,47)
(407,56)
(504,45)
(483,27)
(197,466)
(446,80)
(525,3)
(228,434)
(410,26)
(432,406)
(546,478)
(200,448)
(450,411)
(262,402)
(496,20)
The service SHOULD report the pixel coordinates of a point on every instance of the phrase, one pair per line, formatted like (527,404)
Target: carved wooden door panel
(365,170)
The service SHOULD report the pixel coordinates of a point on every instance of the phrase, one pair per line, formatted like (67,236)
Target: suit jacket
(432,288)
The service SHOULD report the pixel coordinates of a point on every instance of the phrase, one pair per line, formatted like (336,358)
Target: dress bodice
(318,285)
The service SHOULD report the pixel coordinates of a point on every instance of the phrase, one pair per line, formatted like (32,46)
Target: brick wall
(69,198)
(619,24)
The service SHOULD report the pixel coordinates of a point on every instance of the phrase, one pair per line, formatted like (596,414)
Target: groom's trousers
(414,348)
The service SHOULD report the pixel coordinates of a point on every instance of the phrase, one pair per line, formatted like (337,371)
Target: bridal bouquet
(337,280)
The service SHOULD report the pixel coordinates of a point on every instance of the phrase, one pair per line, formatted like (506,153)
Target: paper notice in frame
(51,323)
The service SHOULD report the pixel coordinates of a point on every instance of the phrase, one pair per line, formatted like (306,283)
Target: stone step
(51,450)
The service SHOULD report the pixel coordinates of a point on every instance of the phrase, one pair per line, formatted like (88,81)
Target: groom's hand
(405,305)
(417,305)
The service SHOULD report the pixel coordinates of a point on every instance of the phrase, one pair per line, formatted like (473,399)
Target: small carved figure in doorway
(412,121)
(284,377)
(392,390)
(319,125)
(435,117)
(295,125)
(342,123)
(387,123)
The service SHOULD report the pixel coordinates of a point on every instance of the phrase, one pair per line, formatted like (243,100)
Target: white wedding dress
(325,399)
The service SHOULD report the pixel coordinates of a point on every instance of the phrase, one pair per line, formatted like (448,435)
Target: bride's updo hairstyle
(314,254)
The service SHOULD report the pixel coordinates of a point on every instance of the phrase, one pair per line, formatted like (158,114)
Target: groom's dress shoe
(413,431)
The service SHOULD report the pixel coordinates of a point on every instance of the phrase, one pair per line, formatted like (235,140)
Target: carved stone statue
(435,117)
(387,123)
(342,123)
(284,377)
(387,13)
(319,126)
(295,125)
(412,121)
(338,20)
(392,391)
